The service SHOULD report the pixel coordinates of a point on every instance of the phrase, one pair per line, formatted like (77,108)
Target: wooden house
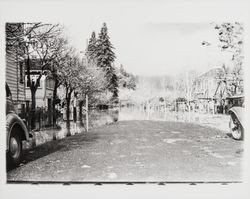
(15,78)
(204,91)
(205,85)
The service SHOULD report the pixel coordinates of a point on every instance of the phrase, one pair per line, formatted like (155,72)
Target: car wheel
(15,148)
(236,129)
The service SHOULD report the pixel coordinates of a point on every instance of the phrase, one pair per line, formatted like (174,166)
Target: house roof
(211,73)
(236,97)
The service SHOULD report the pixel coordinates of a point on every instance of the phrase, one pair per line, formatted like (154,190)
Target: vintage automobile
(236,123)
(16,132)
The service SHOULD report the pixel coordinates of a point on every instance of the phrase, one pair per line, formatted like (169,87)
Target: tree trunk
(235,89)
(68,109)
(33,109)
(68,98)
(80,112)
(54,102)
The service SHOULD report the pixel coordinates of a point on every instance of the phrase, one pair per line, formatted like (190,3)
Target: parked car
(16,131)
(236,123)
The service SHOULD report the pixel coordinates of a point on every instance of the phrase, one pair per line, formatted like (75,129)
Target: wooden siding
(13,78)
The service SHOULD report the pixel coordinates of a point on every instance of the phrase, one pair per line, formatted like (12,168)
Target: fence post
(39,118)
(27,114)
(147,111)
(189,111)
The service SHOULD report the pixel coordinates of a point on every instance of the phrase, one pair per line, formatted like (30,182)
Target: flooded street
(127,145)
(104,117)
(141,93)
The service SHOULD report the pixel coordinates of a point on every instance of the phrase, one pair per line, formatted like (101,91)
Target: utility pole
(175,96)
(87,117)
(164,98)
(188,95)
(74,112)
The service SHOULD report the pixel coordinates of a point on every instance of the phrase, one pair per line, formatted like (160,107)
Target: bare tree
(41,42)
(37,40)
(69,75)
(59,61)
(231,40)
(91,82)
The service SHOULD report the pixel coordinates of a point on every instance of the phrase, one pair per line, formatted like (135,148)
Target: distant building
(208,91)
(206,85)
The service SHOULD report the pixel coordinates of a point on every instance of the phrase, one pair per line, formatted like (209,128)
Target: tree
(222,85)
(69,74)
(105,58)
(91,48)
(91,79)
(34,40)
(14,36)
(55,72)
(231,40)
(91,82)
(126,80)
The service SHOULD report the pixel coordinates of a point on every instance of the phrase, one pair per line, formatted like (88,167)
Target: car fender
(239,113)
(12,120)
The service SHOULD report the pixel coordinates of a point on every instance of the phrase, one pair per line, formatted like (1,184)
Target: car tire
(15,148)
(236,128)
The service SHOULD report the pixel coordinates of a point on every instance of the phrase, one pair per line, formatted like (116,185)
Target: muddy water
(98,118)
(104,117)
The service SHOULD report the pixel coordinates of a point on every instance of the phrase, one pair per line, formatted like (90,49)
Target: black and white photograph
(124,93)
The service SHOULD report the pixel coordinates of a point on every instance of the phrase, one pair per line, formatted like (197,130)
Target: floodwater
(97,118)
(105,117)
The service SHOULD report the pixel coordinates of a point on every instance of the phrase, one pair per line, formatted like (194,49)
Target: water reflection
(97,118)
(104,117)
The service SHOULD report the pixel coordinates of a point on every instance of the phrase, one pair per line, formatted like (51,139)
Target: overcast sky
(153,48)
(150,37)
(147,44)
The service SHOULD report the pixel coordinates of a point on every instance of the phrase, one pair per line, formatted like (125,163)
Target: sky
(148,44)
(153,48)
(150,37)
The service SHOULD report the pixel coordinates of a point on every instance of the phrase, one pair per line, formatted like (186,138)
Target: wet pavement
(136,150)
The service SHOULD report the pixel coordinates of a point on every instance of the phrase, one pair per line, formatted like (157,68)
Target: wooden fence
(43,118)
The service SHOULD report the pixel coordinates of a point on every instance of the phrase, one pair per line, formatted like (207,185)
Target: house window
(49,83)
(33,79)
(27,83)
(21,73)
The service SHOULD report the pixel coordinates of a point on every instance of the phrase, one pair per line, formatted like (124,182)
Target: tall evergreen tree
(105,58)
(91,48)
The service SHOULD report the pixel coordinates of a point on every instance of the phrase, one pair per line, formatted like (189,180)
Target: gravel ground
(136,151)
